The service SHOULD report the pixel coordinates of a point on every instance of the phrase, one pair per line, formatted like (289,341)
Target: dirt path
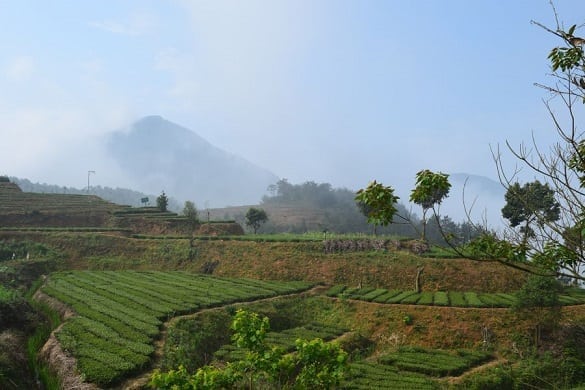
(140,381)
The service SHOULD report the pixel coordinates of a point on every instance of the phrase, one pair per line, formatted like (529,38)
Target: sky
(332,91)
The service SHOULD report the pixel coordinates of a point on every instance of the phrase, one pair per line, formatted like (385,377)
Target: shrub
(441,298)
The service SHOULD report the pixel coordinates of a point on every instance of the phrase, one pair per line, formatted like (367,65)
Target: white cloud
(185,88)
(19,68)
(137,24)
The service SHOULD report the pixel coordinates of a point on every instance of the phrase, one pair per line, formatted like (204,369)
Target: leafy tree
(431,188)
(162,202)
(315,364)
(255,218)
(379,202)
(191,213)
(532,203)
(538,300)
(553,240)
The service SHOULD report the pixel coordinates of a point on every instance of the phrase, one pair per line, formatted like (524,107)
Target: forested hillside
(311,206)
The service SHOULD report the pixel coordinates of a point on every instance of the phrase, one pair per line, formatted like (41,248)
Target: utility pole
(88,172)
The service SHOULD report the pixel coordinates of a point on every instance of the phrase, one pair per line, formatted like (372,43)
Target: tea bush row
(440,298)
(119,313)
(368,375)
(436,363)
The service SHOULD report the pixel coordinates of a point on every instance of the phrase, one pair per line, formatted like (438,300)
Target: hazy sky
(332,91)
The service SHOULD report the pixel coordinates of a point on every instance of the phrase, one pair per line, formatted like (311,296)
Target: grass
(36,341)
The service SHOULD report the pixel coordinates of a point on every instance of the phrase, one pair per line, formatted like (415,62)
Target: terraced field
(441,298)
(119,314)
(13,202)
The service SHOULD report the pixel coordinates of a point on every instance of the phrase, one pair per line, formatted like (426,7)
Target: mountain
(481,196)
(159,155)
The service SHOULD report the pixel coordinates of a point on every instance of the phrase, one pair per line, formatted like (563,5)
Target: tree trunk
(417,283)
(424,225)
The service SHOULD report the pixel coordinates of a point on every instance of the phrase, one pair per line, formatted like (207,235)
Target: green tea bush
(384,297)
(457,299)
(434,362)
(373,294)
(334,291)
(411,299)
(473,300)
(426,298)
(398,298)
(441,298)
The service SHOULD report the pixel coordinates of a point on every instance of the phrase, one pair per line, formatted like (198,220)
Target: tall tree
(162,201)
(379,202)
(255,217)
(430,190)
(531,203)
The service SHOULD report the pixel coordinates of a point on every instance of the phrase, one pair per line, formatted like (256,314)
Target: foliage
(537,292)
(368,375)
(162,201)
(119,313)
(191,213)
(559,204)
(538,300)
(255,217)
(380,202)
(531,203)
(543,371)
(20,249)
(315,364)
(434,362)
(430,190)
(191,341)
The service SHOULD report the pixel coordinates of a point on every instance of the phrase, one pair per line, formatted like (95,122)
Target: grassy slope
(278,260)
(434,327)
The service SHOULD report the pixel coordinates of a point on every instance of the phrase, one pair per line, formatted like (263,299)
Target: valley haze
(308,91)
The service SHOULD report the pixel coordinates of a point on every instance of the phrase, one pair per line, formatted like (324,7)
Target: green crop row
(436,363)
(367,375)
(65,229)
(119,313)
(441,298)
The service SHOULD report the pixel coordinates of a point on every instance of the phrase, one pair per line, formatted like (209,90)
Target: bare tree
(555,245)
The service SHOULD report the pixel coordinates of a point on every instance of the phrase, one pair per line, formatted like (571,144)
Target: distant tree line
(343,215)
(121,196)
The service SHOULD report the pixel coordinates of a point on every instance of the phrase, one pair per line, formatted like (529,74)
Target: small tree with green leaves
(314,365)
(430,190)
(255,217)
(190,212)
(378,203)
(162,201)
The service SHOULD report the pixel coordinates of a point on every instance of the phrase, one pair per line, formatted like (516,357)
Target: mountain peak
(159,154)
